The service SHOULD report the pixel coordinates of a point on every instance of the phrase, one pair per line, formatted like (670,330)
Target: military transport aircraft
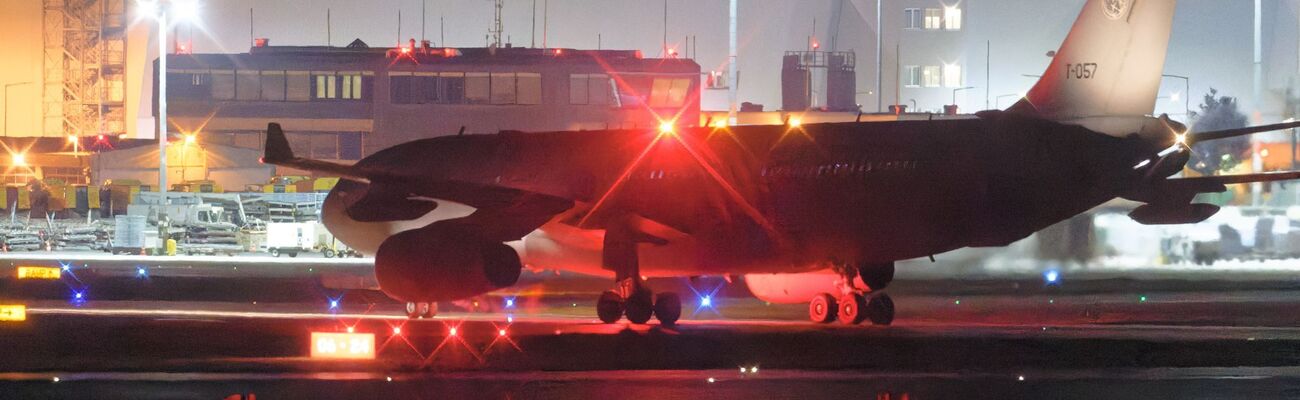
(456,216)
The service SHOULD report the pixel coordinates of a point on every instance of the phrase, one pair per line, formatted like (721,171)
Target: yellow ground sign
(13,313)
(39,273)
(354,346)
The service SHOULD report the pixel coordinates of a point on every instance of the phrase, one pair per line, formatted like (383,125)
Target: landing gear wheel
(610,307)
(668,308)
(851,309)
(412,310)
(880,310)
(639,307)
(822,309)
(876,276)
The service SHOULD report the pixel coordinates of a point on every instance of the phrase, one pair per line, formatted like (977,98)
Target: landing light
(1180,139)
(666,128)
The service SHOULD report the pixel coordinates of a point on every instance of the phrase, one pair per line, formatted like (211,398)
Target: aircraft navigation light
(397,330)
(452,332)
(501,332)
(1052,276)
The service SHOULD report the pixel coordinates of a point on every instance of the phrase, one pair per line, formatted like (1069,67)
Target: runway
(210,333)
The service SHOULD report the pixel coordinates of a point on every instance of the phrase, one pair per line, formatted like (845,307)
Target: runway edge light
(349,346)
(13,313)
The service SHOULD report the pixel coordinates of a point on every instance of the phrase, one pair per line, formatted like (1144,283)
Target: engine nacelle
(1151,214)
(442,263)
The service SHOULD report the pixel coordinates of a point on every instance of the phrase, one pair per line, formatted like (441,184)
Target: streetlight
(954,93)
(1187,84)
(159,10)
(6,113)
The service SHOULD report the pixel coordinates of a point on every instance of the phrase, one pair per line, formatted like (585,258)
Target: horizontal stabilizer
(1238,179)
(279,153)
(1228,133)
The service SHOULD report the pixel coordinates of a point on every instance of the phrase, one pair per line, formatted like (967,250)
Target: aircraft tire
(880,310)
(851,309)
(639,307)
(668,308)
(412,310)
(427,310)
(822,309)
(610,307)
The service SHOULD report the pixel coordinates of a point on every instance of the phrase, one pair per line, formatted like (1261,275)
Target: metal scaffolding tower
(84,67)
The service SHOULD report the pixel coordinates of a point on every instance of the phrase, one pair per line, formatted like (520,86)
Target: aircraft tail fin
(277,146)
(1110,65)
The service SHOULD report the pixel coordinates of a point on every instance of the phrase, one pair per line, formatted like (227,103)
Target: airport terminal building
(343,103)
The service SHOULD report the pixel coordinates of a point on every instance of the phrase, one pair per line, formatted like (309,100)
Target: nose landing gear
(417,310)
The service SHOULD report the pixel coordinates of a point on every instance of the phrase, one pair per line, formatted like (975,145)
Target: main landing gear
(417,310)
(631,297)
(856,305)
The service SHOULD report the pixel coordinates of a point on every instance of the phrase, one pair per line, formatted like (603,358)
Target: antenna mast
(496,24)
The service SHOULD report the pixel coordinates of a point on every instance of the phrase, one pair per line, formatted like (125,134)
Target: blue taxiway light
(141,271)
(510,303)
(706,301)
(1052,277)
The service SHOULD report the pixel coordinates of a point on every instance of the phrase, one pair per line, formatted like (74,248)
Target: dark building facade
(343,103)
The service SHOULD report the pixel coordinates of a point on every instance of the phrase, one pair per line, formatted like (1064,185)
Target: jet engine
(443,263)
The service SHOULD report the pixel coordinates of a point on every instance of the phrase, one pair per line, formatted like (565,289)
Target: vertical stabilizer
(1109,66)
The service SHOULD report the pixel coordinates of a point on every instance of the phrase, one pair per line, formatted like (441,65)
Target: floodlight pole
(162,107)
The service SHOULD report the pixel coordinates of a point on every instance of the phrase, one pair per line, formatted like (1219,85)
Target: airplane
(453,217)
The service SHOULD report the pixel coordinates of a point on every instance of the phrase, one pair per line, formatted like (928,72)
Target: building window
(273,85)
(930,76)
(952,76)
(912,76)
(414,89)
(912,18)
(350,146)
(478,88)
(326,87)
(191,84)
(248,85)
(223,85)
(593,89)
(933,18)
(452,85)
(665,92)
(350,86)
(297,86)
(503,88)
(952,18)
(530,88)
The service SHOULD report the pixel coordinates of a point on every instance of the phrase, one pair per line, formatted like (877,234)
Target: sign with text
(333,345)
(10,313)
(39,273)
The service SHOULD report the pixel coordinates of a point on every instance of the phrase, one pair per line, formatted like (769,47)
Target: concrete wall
(21,52)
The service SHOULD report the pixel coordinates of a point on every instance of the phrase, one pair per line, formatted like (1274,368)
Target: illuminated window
(930,76)
(326,87)
(933,18)
(912,18)
(912,76)
(952,76)
(350,86)
(952,18)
